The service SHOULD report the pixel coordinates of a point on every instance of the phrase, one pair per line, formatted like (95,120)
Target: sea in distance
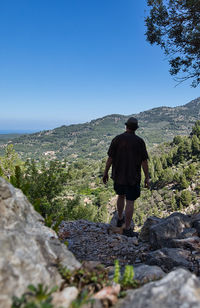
(13,131)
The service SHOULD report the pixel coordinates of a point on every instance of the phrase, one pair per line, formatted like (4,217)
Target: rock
(65,297)
(145,273)
(109,294)
(151,221)
(171,227)
(29,251)
(92,242)
(178,289)
(195,217)
(193,243)
(169,258)
(196,225)
(188,232)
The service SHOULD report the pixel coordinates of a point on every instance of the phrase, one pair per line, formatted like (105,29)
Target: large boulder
(150,222)
(169,228)
(169,258)
(178,289)
(30,252)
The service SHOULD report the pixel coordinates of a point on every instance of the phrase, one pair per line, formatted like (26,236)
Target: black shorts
(131,192)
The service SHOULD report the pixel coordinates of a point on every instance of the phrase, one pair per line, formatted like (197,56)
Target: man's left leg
(128,217)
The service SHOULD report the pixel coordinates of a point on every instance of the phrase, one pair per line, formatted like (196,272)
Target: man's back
(127,152)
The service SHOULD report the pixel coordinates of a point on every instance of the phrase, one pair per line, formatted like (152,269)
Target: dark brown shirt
(127,151)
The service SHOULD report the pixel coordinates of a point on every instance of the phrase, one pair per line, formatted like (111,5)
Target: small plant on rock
(36,297)
(127,280)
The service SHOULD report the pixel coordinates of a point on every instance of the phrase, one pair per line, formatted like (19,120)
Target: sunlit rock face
(29,251)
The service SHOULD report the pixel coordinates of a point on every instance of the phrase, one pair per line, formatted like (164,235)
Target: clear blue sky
(71,61)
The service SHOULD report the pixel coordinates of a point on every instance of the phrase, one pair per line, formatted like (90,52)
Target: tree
(196,129)
(174,26)
(185,198)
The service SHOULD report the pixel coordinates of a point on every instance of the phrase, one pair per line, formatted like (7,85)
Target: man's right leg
(120,206)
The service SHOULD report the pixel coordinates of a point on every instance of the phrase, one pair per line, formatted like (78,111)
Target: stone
(188,232)
(151,221)
(109,293)
(178,289)
(146,273)
(169,258)
(30,252)
(193,243)
(171,227)
(196,225)
(65,297)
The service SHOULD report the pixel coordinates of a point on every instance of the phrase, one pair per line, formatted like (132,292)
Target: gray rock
(29,251)
(146,273)
(196,225)
(188,232)
(171,227)
(193,243)
(65,297)
(169,258)
(178,289)
(186,219)
(151,221)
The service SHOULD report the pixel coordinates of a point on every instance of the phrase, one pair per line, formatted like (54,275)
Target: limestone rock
(65,297)
(196,225)
(146,273)
(178,289)
(29,251)
(145,231)
(171,227)
(169,258)
(193,243)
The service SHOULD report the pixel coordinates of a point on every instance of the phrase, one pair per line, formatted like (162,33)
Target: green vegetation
(36,297)
(174,26)
(64,190)
(127,280)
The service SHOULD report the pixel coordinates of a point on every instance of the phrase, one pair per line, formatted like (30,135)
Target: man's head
(132,124)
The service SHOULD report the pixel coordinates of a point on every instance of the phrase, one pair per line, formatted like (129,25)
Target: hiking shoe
(130,233)
(120,222)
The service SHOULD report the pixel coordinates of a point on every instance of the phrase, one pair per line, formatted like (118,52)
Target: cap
(132,123)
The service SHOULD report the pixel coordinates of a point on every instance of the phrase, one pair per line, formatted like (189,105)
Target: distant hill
(91,139)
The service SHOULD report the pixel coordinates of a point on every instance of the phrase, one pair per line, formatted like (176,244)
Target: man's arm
(108,164)
(146,173)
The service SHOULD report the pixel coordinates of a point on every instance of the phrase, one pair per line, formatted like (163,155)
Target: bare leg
(120,205)
(128,213)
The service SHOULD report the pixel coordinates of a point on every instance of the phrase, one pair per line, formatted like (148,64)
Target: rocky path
(164,256)
(95,242)
(168,243)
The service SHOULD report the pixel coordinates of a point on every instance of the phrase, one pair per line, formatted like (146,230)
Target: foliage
(83,299)
(86,278)
(116,278)
(174,26)
(9,162)
(127,280)
(36,297)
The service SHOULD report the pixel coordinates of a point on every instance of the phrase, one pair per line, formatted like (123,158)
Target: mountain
(91,139)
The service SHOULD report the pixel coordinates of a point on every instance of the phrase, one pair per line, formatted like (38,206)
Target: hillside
(91,139)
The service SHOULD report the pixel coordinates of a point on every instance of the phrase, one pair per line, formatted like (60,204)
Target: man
(127,153)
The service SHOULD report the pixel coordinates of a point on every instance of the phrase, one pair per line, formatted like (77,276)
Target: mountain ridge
(91,139)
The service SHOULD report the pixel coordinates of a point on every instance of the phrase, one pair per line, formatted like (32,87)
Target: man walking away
(127,153)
